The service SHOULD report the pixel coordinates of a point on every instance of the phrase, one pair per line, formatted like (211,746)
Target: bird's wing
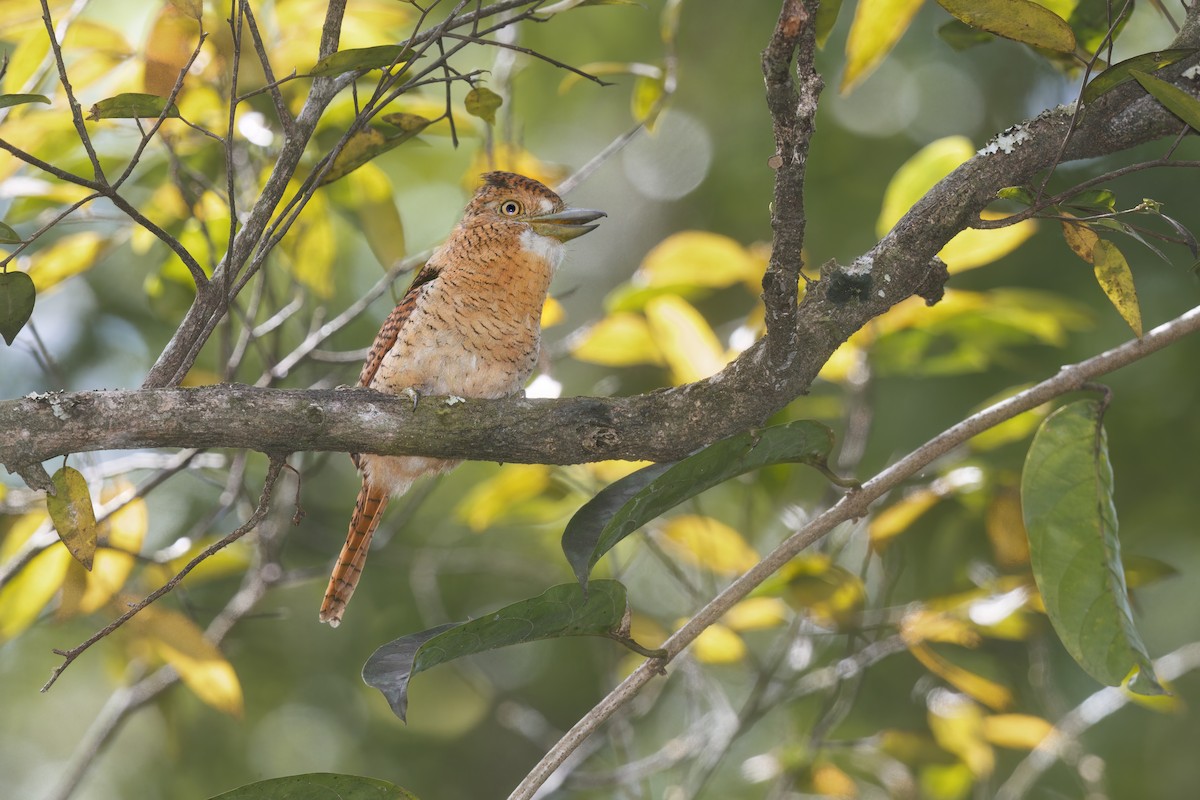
(387,335)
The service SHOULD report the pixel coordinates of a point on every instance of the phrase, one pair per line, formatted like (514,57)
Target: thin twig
(69,656)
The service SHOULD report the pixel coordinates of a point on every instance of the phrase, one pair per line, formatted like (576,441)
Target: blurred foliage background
(633,312)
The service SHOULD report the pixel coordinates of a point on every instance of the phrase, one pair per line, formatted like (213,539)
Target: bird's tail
(368,510)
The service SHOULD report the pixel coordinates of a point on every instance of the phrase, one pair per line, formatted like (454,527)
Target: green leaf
(17,295)
(1067,502)
(827,14)
(1020,20)
(129,105)
(74,518)
(8,235)
(962,36)
(483,103)
(1122,71)
(7,100)
(1018,194)
(1176,100)
(371,143)
(318,786)
(1116,279)
(626,505)
(561,610)
(378,57)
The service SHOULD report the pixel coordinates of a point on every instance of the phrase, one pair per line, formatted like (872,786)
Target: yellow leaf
(877,26)
(1080,238)
(1016,731)
(368,193)
(1014,429)
(899,517)
(1170,702)
(169,45)
(619,340)
(608,471)
(231,560)
(1116,279)
(552,313)
(310,247)
(756,613)
(687,342)
(1021,20)
(70,509)
(957,725)
(199,662)
(830,782)
(125,530)
(1005,528)
(646,100)
(946,781)
(699,258)
(918,175)
(70,255)
(26,58)
(708,543)
(512,158)
(927,625)
(489,500)
(976,247)
(23,597)
(832,595)
(986,691)
(645,631)
(718,645)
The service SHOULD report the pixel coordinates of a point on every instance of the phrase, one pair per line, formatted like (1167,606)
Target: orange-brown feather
(368,510)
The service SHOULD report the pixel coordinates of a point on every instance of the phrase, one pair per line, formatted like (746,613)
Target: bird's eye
(510,208)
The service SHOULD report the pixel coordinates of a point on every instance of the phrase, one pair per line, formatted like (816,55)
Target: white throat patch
(543,247)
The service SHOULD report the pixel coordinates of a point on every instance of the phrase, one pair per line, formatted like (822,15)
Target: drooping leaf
(7,100)
(24,596)
(700,258)
(124,531)
(74,518)
(684,337)
(17,296)
(1080,238)
(623,507)
(483,103)
(1176,100)
(985,690)
(619,340)
(368,144)
(976,247)
(561,610)
(1116,279)
(1123,71)
(364,58)
(827,14)
(318,786)
(1020,20)
(877,26)
(1067,501)
(130,105)
(200,664)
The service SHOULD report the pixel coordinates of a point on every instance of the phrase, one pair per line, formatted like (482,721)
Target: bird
(468,326)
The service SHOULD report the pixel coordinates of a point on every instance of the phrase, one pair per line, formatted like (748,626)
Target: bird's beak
(567,224)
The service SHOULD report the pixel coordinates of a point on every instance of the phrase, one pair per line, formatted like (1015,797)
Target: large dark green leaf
(318,786)
(631,502)
(1067,502)
(561,610)
(7,100)
(1176,100)
(1121,72)
(17,295)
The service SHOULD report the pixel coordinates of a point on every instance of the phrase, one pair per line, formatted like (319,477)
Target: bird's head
(527,206)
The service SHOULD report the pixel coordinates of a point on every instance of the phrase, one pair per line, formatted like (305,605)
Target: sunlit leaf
(755,613)
(124,532)
(957,725)
(827,592)
(1005,529)
(929,625)
(918,175)
(985,690)
(512,158)
(132,105)
(619,340)
(717,644)
(561,610)
(26,58)
(631,502)
(1016,731)
(318,786)
(361,58)
(1020,20)
(483,103)
(709,543)
(975,247)
(828,781)
(877,26)
(311,247)
(553,312)
(1067,498)
(1013,429)
(899,516)
(70,508)
(1116,279)
(1176,100)
(490,500)
(17,297)
(368,194)
(1122,71)
(7,100)
(24,596)
(199,662)
(684,337)
(646,101)
(70,255)
(700,258)
(1080,238)
(366,145)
